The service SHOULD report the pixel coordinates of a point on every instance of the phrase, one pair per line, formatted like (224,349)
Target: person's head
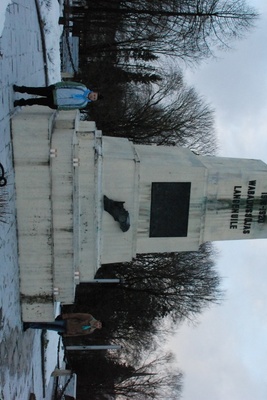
(98,325)
(93,96)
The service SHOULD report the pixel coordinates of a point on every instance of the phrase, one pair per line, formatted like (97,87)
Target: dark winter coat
(78,324)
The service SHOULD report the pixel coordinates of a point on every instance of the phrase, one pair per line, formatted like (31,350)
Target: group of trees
(158,292)
(134,51)
(175,286)
(189,30)
(104,376)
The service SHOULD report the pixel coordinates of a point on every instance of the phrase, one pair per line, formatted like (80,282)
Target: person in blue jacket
(64,95)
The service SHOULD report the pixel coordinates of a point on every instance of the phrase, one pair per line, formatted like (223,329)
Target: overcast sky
(225,356)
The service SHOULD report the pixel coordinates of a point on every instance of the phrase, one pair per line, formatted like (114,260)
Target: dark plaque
(169,209)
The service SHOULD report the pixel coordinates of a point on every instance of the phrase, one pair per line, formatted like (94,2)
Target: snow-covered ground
(22,368)
(50,12)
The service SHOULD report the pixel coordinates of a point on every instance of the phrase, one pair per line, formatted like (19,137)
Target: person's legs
(37,91)
(58,326)
(40,101)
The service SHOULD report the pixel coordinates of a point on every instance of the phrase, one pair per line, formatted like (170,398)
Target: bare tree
(165,113)
(190,30)
(156,286)
(155,379)
(180,285)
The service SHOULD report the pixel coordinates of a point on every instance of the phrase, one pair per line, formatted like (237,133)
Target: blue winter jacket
(70,95)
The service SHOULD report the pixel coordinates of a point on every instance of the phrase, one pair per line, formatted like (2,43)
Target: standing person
(60,96)
(71,324)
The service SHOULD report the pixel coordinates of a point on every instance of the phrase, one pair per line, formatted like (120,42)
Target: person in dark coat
(71,324)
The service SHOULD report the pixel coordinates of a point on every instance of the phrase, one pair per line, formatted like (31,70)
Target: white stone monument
(84,200)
